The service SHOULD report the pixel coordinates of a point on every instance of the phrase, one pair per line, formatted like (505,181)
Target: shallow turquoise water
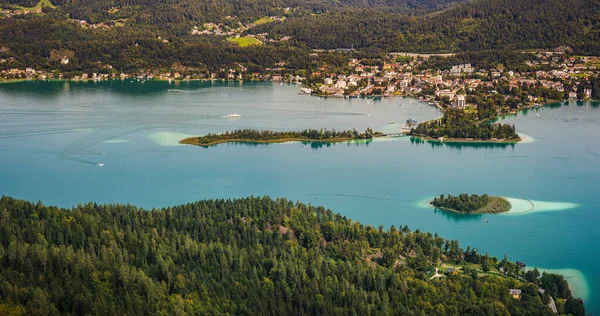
(54,135)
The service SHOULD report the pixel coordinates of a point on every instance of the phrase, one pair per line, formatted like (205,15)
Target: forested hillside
(137,35)
(475,25)
(249,256)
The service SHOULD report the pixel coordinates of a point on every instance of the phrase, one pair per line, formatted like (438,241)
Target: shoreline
(467,140)
(526,206)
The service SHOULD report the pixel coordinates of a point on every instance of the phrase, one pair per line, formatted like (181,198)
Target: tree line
(464,203)
(266,135)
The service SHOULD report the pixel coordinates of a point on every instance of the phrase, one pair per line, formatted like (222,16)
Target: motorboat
(232,115)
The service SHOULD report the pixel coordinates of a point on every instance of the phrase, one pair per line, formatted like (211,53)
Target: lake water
(55,135)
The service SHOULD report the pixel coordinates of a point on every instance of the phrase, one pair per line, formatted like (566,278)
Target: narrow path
(552,305)
(436,275)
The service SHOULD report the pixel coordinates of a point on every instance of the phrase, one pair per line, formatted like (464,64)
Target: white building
(459,101)
(341,84)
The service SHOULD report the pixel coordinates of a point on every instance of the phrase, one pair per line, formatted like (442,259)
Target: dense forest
(465,203)
(457,124)
(472,26)
(135,35)
(267,135)
(247,256)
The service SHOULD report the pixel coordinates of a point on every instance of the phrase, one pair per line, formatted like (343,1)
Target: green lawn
(470,110)
(578,75)
(246,41)
(264,20)
(38,6)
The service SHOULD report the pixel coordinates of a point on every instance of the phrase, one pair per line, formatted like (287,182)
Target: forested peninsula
(250,256)
(472,204)
(458,125)
(267,136)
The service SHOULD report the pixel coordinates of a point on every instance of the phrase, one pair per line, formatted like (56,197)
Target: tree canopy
(245,256)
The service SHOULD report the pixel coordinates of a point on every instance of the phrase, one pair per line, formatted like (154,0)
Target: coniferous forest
(249,256)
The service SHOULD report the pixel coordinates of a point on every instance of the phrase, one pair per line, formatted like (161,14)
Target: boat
(537,115)
(392,122)
(232,115)
(101,165)
(486,221)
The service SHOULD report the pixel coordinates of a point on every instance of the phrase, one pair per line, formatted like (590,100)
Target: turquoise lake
(56,136)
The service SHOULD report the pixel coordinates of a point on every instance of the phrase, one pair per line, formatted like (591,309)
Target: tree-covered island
(458,125)
(471,204)
(267,136)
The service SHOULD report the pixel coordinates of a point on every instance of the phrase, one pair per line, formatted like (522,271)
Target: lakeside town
(543,77)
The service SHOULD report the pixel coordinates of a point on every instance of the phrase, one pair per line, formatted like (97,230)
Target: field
(580,75)
(264,20)
(38,7)
(246,41)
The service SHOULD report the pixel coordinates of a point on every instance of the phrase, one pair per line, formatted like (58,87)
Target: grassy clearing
(38,7)
(246,41)
(578,75)
(264,20)
(496,205)
(470,110)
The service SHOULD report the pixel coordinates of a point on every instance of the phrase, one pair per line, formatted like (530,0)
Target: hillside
(249,256)
(136,36)
(475,25)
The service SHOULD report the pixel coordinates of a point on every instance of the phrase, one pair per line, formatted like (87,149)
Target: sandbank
(167,138)
(115,141)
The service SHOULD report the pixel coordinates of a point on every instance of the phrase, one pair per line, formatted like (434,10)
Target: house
(520,264)
(328,81)
(276,77)
(341,84)
(587,93)
(64,60)
(450,272)
(515,293)
(445,93)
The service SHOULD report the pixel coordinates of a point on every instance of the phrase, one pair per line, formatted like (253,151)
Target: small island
(459,126)
(267,136)
(472,204)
